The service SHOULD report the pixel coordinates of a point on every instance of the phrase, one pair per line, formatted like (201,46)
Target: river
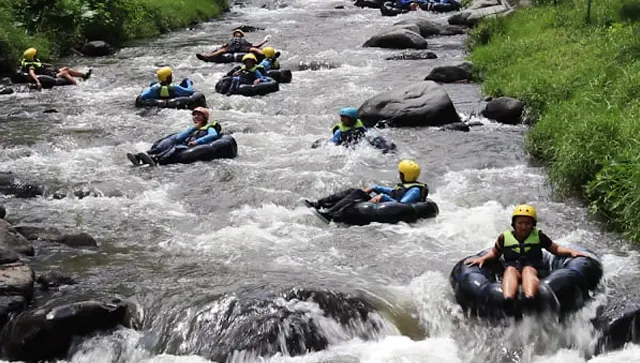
(190,243)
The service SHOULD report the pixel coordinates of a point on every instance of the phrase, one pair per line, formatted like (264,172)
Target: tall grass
(581,81)
(57,26)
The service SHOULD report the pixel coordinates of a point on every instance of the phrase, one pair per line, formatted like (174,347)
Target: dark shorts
(238,49)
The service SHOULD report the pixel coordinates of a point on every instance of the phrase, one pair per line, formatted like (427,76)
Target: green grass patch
(54,27)
(581,81)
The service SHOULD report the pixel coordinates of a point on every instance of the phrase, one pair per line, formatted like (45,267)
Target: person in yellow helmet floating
(165,88)
(249,73)
(238,44)
(521,248)
(408,191)
(270,60)
(34,67)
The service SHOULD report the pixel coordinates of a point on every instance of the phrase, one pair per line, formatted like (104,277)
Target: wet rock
(38,232)
(451,74)
(474,123)
(619,323)
(505,110)
(397,38)
(16,288)
(46,333)
(413,56)
(374,4)
(428,28)
(54,279)
(479,4)
(78,240)
(408,26)
(472,17)
(6,90)
(10,239)
(10,185)
(97,48)
(249,28)
(421,104)
(339,7)
(3,212)
(50,110)
(456,126)
(315,65)
(8,256)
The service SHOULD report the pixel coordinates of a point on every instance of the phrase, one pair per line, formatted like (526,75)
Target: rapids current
(212,247)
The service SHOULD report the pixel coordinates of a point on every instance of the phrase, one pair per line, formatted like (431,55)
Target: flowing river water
(200,247)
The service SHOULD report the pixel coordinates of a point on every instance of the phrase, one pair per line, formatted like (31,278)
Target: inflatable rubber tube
(378,142)
(223,148)
(374,4)
(565,287)
(388,212)
(189,102)
(47,82)
(280,75)
(389,8)
(259,89)
(227,57)
(440,7)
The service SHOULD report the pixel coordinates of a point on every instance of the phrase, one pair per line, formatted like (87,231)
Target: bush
(582,83)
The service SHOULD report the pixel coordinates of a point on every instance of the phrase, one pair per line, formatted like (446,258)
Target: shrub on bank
(57,26)
(581,80)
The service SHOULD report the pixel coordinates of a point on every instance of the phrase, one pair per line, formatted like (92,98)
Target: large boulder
(16,285)
(10,185)
(505,110)
(472,17)
(52,234)
(618,322)
(6,90)
(46,333)
(451,74)
(10,239)
(97,48)
(397,38)
(413,55)
(420,104)
(428,28)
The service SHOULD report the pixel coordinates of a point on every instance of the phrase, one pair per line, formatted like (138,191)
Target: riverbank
(580,82)
(60,26)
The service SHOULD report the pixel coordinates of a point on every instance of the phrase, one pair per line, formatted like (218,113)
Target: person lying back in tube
(271,59)
(521,249)
(34,67)
(408,191)
(202,132)
(249,73)
(165,89)
(238,44)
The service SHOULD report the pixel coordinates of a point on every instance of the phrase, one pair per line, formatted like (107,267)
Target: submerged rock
(10,239)
(97,48)
(450,74)
(397,38)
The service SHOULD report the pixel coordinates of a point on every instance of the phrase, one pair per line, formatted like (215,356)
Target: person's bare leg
(530,281)
(510,282)
(256,50)
(66,75)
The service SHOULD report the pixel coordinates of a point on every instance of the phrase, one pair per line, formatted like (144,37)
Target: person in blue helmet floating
(350,129)
(408,191)
(165,89)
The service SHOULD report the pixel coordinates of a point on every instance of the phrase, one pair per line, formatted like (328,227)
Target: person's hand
(39,86)
(368,190)
(376,199)
(192,143)
(267,37)
(474,261)
(579,254)
(256,82)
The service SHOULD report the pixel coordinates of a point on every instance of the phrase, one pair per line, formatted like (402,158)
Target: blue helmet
(350,112)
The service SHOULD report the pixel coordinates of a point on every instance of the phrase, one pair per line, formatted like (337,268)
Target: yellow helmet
(30,54)
(164,73)
(249,56)
(269,52)
(524,210)
(410,170)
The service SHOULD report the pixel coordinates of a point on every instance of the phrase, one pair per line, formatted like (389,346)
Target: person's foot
(88,74)
(133,159)
(146,159)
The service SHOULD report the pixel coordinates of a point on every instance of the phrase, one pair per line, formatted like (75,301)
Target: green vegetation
(54,27)
(581,82)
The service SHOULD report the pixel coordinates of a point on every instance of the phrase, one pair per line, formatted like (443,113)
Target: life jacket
(530,250)
(401,189)
(36,64)
(249,74)
(204,131)
(166,91)
(350,134)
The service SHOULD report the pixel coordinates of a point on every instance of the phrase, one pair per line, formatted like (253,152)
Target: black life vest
(401,189)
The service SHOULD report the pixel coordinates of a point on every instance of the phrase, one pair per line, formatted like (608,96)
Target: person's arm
(558,250)
(495,253)
(411,196)
(336,137)
(211,135)
(184,134)
(34,76)
(149,93)
(183,91)
(260,75)
(265,64)
(381,190)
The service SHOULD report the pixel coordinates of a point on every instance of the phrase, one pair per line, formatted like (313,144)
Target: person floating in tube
(34,67)
(408,191)
(521,249)
(270,60)
(249,73)
(350,130)
(238,44)
(165,89)
(202,132)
